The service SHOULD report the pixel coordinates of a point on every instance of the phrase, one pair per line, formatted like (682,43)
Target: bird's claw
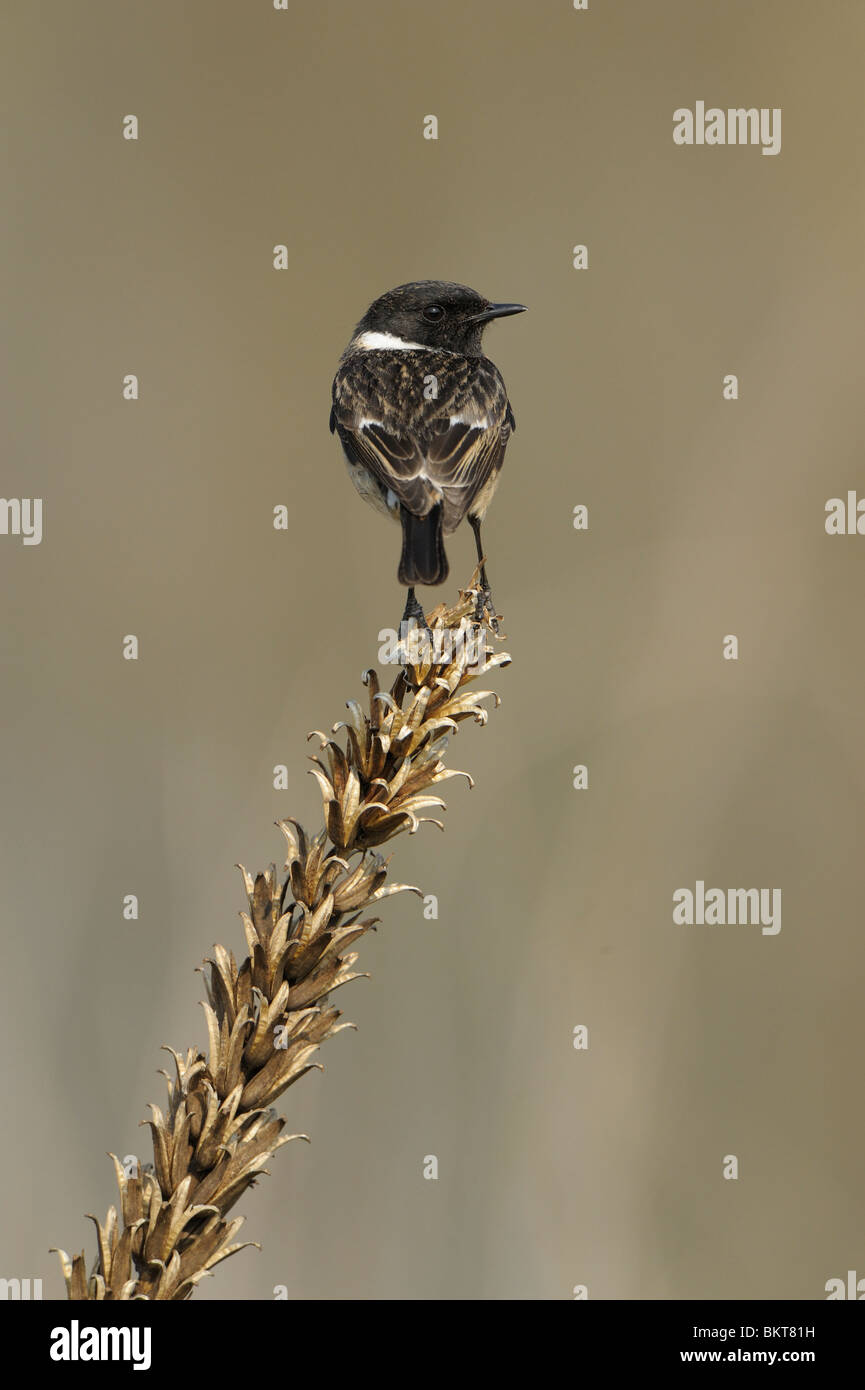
(485,609)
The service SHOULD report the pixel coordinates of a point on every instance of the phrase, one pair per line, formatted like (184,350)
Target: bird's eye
(433,313)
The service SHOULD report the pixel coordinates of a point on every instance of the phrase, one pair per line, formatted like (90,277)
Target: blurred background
(706,518)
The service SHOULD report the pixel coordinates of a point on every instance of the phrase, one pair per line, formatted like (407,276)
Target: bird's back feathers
(430,425)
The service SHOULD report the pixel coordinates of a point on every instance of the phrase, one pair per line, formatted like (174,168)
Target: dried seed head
(267,1018)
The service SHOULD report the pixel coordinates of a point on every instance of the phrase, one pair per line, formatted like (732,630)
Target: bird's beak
(497,311)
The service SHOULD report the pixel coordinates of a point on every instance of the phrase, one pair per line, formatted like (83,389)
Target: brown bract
(267,1018)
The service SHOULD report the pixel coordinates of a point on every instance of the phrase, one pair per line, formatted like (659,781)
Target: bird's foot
(485,609)
(416,638)
(415,650)
(415,634)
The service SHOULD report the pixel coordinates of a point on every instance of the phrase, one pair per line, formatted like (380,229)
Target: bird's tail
(423,559)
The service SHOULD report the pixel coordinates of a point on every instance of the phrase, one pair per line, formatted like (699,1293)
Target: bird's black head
(430,313)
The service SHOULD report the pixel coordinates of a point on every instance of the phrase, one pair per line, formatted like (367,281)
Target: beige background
(257,127)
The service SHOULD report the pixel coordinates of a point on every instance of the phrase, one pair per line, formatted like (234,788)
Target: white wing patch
(476,422)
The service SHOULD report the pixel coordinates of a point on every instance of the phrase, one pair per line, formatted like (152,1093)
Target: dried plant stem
(267,1018)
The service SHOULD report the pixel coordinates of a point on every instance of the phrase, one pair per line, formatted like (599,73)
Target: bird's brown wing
(462,458)
(396,460)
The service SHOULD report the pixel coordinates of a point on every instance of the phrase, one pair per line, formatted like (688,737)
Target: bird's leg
(413,610)
(414,621)
(485,597)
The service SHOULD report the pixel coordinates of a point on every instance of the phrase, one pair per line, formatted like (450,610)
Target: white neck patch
(369,342)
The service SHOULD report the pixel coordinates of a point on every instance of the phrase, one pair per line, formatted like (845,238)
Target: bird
(424,419)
